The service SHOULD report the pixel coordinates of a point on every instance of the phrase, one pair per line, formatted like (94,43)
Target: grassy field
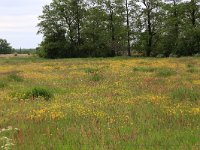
(115,103)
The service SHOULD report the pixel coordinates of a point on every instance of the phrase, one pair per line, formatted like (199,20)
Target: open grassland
(115,103)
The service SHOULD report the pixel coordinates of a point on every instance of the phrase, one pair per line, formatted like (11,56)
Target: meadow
(102,103)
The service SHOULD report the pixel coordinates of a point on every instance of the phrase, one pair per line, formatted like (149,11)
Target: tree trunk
(150,34)
(112,30)
(128,29)
(78,24)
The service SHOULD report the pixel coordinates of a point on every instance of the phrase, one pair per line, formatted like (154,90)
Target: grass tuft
(37,92)
(91,70)
(192,68)
(145,69)
(94,74)
(165,72)
(2,84)
(184,94)
(14,77)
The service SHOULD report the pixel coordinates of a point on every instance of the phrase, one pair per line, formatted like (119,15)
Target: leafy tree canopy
(102,28)
(5,47)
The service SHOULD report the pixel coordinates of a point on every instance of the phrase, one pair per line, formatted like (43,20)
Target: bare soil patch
(13,55)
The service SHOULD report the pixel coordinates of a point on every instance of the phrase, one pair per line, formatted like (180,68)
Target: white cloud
(18,21)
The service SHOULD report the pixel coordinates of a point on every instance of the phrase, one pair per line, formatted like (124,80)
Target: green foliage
(185,94)
(52,50)
(5,47)
(37,92)
(73,30)
(25,51)
(77,28)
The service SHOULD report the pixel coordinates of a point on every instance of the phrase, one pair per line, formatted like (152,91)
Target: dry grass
(13,55)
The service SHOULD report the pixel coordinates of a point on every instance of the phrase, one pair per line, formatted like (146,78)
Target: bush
(37,92)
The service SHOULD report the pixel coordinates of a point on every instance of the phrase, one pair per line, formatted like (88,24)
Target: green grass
(3,84)
(166,72)
(13,77)
(38,92)
(160,72)
(191,68)
(94,74)
(101,103)
(145,69)
(185,94)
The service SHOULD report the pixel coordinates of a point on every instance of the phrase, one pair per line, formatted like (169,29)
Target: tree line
(5,47)
(103,28)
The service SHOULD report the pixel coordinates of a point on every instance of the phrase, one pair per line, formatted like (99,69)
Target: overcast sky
(18,21)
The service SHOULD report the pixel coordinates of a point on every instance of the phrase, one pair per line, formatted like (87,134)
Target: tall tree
(80,28)
(5,47)
(150,10)
(110,9)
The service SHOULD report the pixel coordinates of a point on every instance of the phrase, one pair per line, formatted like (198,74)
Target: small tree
(5,47)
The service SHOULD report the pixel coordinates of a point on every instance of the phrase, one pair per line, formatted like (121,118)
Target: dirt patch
(13,55)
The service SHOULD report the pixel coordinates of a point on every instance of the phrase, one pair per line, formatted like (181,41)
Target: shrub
(37,92)
(183,93)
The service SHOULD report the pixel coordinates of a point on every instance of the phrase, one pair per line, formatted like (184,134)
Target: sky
(18,22)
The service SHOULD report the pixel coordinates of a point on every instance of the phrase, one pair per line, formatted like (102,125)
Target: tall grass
(191,68)
(94,74)
(185,94)
(165,72)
